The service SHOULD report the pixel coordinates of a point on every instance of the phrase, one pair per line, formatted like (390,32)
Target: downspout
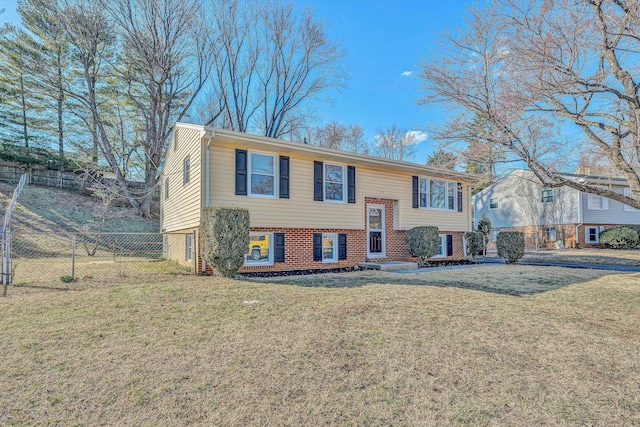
(207,167)
(580,219)
(207,171)
(469,227)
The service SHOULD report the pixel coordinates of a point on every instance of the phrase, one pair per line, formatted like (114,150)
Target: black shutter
(317,246)
(351,184)
(278,247)
(342,246)
(449,245)
(414,180)
(241,172)
(284,177)
(459,197)
(318,182)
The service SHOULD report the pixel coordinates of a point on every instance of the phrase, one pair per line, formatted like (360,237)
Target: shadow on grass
(586,259)
(516,280)
(44,287)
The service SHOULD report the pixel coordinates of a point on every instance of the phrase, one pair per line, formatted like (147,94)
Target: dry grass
(588,256)
(366,349)
(47,209)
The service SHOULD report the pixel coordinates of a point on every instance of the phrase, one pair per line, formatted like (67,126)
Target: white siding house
(547,215)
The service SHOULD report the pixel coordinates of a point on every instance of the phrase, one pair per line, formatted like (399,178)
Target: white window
(547,195)
(334,182)
(442,249)
(451,196)
(493,203)
(597,203)
(437,194)
(260,250)
(628,193)
(329,247)
(262,175)
(186,166)
(494,235)
(591,234)
(188,247)
(424,193)
(438,191)
(550,234)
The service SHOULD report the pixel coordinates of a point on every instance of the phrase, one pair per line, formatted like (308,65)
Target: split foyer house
(520,202)
(310,207)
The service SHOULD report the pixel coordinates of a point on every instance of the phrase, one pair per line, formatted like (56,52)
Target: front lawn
(498,345)
(588,256)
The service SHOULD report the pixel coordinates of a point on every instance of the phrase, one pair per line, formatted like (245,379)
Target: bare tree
(353,140)
(271,63)
(341,137)
(395,144)
(532,68)
(160,64)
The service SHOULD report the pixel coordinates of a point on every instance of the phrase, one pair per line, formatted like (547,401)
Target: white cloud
(407,73)
(418,135)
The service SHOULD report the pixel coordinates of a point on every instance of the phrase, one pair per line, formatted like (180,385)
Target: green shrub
(510,246)
(619,238)
(634,227)
(475,243)
(66,279)
(224,237)
(424,242)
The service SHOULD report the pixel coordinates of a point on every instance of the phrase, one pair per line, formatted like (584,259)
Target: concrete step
(388,265)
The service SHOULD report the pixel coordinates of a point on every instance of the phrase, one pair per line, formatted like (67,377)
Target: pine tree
(20,102)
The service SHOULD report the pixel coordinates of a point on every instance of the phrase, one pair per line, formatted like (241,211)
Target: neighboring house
(310,207)
(547,215)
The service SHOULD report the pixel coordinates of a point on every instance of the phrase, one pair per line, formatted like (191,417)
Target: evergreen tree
(442,159)
(20,103)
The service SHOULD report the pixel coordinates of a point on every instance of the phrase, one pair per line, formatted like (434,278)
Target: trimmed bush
(635,227)
(224,237)
(424,242)
(619,238)
(475,243)
(510,246)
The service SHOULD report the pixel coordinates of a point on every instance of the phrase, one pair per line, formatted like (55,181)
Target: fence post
(73,255)
(7,257)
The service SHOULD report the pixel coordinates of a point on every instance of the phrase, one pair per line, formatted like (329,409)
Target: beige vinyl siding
(301,211)
(175,247)
(182,209)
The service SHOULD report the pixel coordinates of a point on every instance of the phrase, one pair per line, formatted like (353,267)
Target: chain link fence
(44,257)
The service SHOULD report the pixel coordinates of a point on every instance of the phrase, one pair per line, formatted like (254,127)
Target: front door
(375,231)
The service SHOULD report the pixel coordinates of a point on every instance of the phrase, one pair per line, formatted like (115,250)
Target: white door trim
(383,253)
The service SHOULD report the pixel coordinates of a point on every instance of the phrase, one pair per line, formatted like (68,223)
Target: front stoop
(388,265)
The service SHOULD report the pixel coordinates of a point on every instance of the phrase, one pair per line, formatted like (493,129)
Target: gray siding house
(551,215)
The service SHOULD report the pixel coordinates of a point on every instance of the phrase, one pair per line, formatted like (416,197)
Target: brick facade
(582,234)
(299,245)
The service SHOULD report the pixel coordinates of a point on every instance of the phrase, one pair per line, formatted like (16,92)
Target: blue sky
(383,39)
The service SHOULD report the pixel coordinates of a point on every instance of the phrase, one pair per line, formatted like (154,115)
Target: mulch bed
(431,264)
